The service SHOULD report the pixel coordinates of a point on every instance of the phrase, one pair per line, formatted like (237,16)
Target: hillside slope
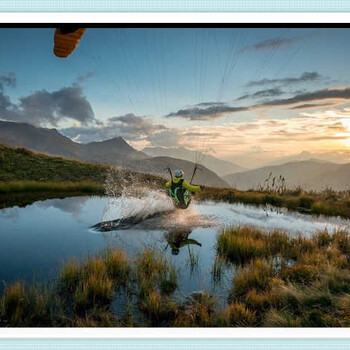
(50,141)
(116,152)
(24,165)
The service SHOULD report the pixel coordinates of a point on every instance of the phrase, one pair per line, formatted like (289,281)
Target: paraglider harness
(180,195)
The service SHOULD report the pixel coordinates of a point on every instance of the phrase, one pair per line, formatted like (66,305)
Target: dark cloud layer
(207,104)
(303,78)
(273,43)
(319,95)
(263,93)
(216,112)
(206,113)
(44,108)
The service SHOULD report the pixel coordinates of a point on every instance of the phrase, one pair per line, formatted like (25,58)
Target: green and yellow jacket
(180,191)
(185,184)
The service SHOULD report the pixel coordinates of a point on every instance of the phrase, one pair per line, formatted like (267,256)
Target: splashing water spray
(132,197)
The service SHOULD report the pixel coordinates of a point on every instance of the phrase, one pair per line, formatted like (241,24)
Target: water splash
(130,195)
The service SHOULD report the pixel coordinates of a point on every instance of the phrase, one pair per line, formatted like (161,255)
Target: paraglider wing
(66,39)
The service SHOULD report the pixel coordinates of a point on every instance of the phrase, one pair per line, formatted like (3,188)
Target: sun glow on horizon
(346,123)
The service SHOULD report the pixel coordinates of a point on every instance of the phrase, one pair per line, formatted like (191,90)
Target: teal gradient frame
(175,6)
(178,344)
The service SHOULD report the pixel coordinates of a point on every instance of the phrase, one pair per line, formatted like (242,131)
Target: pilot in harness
(180,190)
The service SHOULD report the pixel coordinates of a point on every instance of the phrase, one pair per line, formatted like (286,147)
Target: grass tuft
(237,315)
(256,275)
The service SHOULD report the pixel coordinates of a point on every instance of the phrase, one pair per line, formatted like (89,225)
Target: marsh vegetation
(278,281)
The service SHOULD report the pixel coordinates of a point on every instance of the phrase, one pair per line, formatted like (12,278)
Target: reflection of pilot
(178,238)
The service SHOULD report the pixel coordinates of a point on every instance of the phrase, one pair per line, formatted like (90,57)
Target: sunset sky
(243,94)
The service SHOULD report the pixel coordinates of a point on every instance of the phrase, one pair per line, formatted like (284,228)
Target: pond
(38,239)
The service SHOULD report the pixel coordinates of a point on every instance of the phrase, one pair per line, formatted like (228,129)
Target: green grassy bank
(329,203)
(26,175)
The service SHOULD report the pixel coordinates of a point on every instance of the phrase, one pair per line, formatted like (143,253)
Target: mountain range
(331,157)
(115,152)
(220,167)
(312,174)
(309,173)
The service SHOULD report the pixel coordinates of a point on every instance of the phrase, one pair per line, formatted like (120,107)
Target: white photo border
(307,18)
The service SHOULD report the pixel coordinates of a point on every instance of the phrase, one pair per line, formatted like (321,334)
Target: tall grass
(197,311)
(309,285)
(237,315)
(193,259)
(239,245)
(329,203)
(90,285)
(218,268)
(22,306)
(51,186)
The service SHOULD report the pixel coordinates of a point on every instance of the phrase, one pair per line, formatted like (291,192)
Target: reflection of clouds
(271,218)
(11,214)
(72,206)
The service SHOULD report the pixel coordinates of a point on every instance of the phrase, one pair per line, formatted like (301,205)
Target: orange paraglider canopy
(66,39)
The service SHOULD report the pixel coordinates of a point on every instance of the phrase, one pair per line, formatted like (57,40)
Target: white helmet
(178,173)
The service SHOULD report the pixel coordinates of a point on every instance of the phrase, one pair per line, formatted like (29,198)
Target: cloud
(201,134)
(207,104)
(133,126)
(312,105)
(82,78)
(317,132)
(129,126)
(319,95)
(274,43)
(43,108)
(252,143)
(206,113)
(303,78)
(262,93)
(168,138)
(217,112)
(7,80)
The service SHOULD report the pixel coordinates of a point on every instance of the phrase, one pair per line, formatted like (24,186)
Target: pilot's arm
(168,184)
(189,187)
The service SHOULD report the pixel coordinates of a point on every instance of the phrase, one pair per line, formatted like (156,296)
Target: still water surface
(37,239)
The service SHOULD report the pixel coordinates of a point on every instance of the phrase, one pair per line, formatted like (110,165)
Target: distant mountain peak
(305,153)
(310,174)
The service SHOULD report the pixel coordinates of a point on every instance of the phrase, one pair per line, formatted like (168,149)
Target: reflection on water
(179,238)
(37,239)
